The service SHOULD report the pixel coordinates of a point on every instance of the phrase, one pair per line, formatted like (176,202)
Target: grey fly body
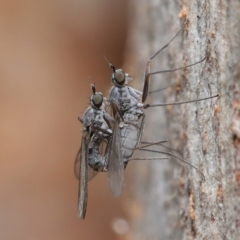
(101,149)
(130,104)
(108,142)
(95,154)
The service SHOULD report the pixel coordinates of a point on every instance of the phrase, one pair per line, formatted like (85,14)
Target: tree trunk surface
(168,199)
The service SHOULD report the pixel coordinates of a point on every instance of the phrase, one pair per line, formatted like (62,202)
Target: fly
(131,103)
(95,154)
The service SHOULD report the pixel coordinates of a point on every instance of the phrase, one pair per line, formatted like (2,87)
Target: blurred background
(48,50)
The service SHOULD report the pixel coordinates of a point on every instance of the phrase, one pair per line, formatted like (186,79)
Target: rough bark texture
(170,200)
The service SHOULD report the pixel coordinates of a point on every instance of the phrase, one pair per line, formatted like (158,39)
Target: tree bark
(170,200)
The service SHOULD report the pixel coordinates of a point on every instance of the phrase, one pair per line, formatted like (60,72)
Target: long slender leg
(166,45)
(160,89)
(149,144)
(148,74)
(147,71)
(180,159)
(176,69)
(149,158)
(179,103)
(161,144)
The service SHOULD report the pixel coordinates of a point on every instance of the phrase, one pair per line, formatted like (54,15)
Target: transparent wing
(82,174)
(77,163)
(107,108)
(91,172)
(115,161)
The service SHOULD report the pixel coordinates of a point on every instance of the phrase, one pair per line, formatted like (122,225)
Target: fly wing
(107,107)
(91,172)
(82,174)
(115,160)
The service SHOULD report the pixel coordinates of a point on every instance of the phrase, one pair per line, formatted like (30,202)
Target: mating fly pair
(101,148)
(108,142)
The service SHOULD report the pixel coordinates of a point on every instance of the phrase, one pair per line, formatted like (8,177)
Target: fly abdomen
(95,160)
(129,135)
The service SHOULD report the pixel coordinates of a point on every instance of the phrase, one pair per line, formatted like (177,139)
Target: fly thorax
(98,121)
(124,93)
(124,100)
(130,117)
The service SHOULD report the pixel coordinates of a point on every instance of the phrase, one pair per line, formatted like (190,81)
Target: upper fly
(130,103)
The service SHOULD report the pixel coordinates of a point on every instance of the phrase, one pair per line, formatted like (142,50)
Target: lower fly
(101,150)
(94,154)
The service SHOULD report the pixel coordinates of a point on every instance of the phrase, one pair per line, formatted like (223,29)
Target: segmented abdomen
(129,135)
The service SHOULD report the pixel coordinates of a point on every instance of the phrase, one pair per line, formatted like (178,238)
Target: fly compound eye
(97,99)
(119,77)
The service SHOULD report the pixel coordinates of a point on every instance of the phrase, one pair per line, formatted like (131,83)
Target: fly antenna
(93,88)
(90,80)
(110,65)
(106,59)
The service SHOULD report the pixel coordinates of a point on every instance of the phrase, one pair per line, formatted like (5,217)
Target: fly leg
(179,103)
(106,162)
(148,144)
(149,158)
(148,73)
(176,157)
(161,89)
